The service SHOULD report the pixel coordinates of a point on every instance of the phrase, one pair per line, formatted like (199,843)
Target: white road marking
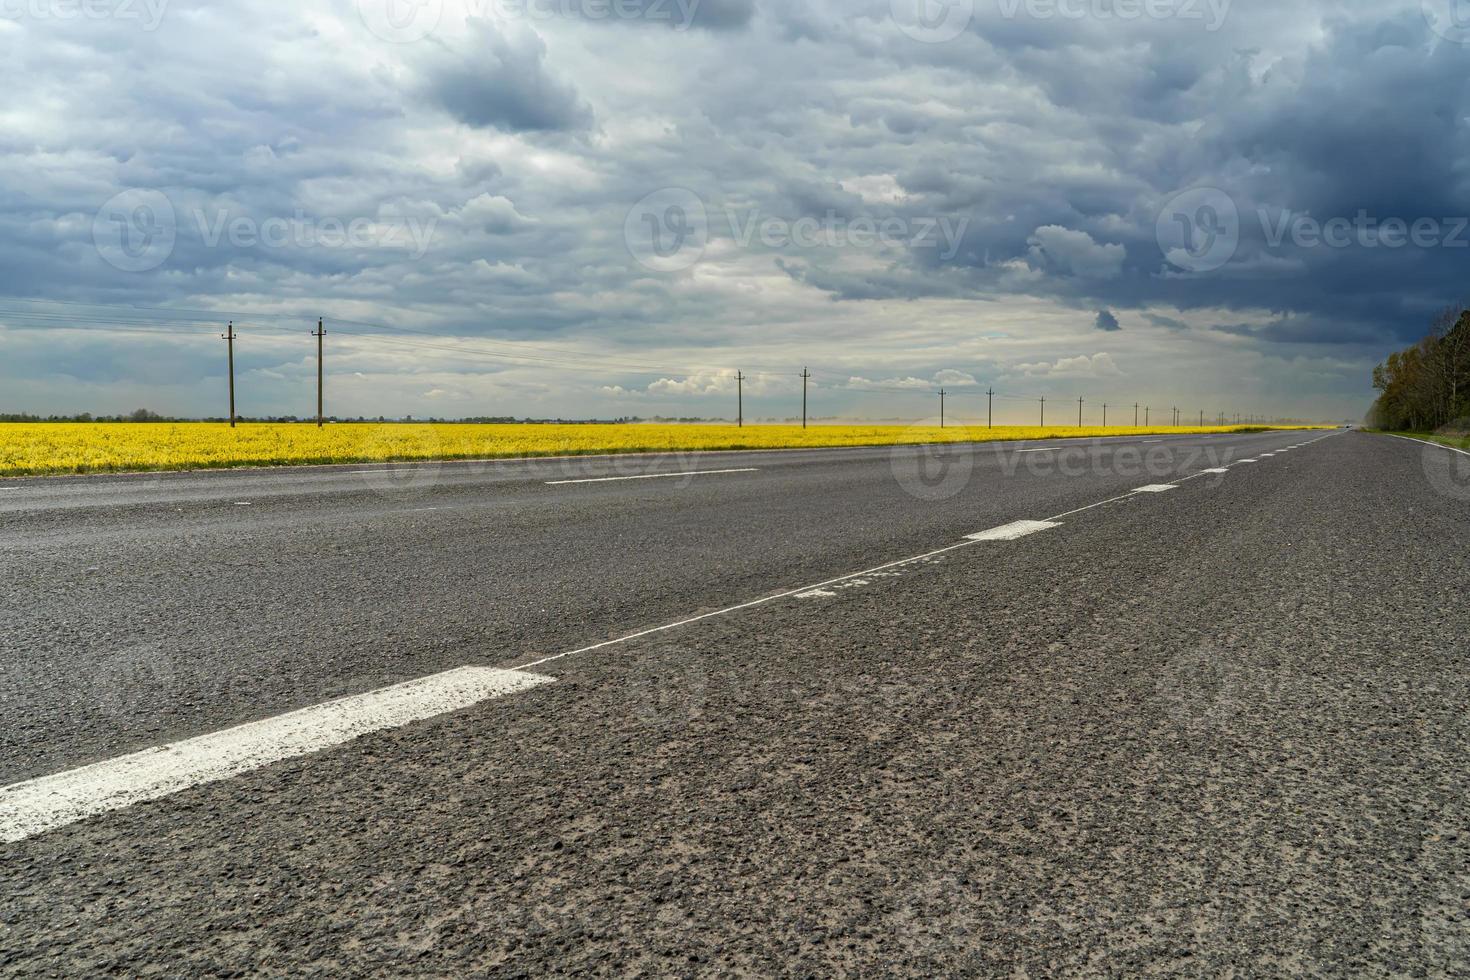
(1245,461)
(9,488)
(650,476)
(43,804)
(1012,531)
(1156,488)
(1426,442)
(827,585)
(242,503)
(1220,469)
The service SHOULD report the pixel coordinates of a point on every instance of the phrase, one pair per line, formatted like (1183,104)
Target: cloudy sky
(607,207)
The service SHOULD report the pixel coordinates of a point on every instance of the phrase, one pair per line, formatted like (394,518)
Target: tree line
(1427,386)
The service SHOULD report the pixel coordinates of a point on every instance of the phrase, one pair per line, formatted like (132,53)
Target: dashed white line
(1156,488)
(650,476)
(1245,461)
(1218,469)
(43,804)
(1012,531)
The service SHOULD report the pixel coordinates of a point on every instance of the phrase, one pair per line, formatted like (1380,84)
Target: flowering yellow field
(87,447)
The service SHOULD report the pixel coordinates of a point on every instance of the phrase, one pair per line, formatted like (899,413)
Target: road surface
(731,713)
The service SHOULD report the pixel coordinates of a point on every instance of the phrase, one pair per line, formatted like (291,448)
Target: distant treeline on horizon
(1427,386)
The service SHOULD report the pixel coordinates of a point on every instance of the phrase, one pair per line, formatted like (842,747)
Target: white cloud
(1096,366)
(1075,253)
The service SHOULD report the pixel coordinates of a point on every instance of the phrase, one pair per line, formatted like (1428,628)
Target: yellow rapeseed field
(28,448)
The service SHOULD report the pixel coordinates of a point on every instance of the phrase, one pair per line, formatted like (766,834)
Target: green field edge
(492,456)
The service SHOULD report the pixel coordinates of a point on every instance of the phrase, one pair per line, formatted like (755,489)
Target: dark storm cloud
(1106,321)
(524,144)
(495,81)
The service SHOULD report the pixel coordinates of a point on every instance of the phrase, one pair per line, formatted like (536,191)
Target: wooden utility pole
(320,333)
(1043,412)
(805,377)
(990,408)
(229,337)
(1079,413)
(739,399)
(1135,415)
(1105,415)
(941,408)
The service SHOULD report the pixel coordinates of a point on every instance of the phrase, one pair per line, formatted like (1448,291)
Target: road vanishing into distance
(1164,704)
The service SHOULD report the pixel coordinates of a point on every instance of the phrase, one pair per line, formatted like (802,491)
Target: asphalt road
(1215,729)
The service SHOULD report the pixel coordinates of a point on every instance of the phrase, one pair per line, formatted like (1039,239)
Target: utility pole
(1105,415)
(1135,415)
(1043,412)
(1145,416)
(941,408)
(1176,416)
(229,336)
(1201,418)
(989,408)
(1079,413)
(739,399)
(805,377)
(320,333)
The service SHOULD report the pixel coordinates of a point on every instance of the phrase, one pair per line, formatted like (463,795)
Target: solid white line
(747,605)
(1156,488)
(650,476)
(1426,442)
(43,804)
(755,603)
(1012,531)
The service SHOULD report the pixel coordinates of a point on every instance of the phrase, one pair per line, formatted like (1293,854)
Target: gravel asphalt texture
(1220,730)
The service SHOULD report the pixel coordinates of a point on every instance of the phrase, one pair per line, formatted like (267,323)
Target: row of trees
(1427,386)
